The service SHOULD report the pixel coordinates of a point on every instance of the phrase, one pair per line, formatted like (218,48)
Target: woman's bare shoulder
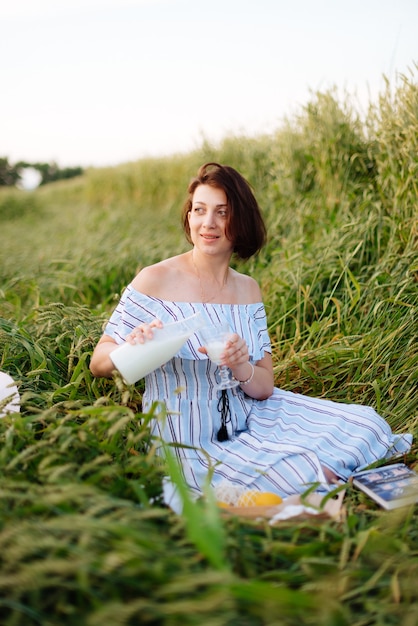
(247,288)
(155,280)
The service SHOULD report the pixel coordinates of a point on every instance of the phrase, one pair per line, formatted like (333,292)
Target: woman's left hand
(257,377)
(236,352)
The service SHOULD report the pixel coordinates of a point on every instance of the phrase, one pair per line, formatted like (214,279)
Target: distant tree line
(10,174)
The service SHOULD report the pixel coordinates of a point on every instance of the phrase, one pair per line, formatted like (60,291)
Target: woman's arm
(101,364)
(256,380)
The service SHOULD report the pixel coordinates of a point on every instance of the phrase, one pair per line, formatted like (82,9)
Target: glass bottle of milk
(134,361)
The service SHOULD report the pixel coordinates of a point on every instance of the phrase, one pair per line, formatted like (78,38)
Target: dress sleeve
(259,339)
(129,313)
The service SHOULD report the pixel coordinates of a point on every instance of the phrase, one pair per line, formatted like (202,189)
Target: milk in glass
(215,350)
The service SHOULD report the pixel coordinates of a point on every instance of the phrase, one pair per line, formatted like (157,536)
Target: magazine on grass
(391,486)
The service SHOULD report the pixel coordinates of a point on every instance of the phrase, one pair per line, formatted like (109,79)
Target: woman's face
(208,218)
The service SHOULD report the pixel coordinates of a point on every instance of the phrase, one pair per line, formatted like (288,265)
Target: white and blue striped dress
(280,444)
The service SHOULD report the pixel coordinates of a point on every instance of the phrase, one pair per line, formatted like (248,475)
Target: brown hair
(245,225)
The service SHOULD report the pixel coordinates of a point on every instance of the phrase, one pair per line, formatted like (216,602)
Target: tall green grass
(84,535)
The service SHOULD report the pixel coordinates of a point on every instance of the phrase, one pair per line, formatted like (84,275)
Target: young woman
(255,436)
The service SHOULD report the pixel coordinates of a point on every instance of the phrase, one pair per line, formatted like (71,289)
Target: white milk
(134,361)
(215,350)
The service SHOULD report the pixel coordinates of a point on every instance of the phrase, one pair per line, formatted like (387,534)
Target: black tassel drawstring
(225,411)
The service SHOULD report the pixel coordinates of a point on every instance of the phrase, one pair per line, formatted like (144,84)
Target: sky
(103,82)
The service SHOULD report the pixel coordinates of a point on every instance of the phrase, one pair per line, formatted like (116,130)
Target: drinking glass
(215,339)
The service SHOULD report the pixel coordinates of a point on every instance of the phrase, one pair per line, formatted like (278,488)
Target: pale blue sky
(100,82)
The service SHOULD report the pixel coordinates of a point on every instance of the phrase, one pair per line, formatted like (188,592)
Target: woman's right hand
(143,332)
(101,364)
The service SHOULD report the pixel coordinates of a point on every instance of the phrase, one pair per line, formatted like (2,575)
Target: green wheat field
(85,539)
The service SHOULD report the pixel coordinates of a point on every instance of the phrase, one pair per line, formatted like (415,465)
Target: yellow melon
(259,498)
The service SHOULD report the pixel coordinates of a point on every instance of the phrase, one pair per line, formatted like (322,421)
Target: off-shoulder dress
(280,444)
